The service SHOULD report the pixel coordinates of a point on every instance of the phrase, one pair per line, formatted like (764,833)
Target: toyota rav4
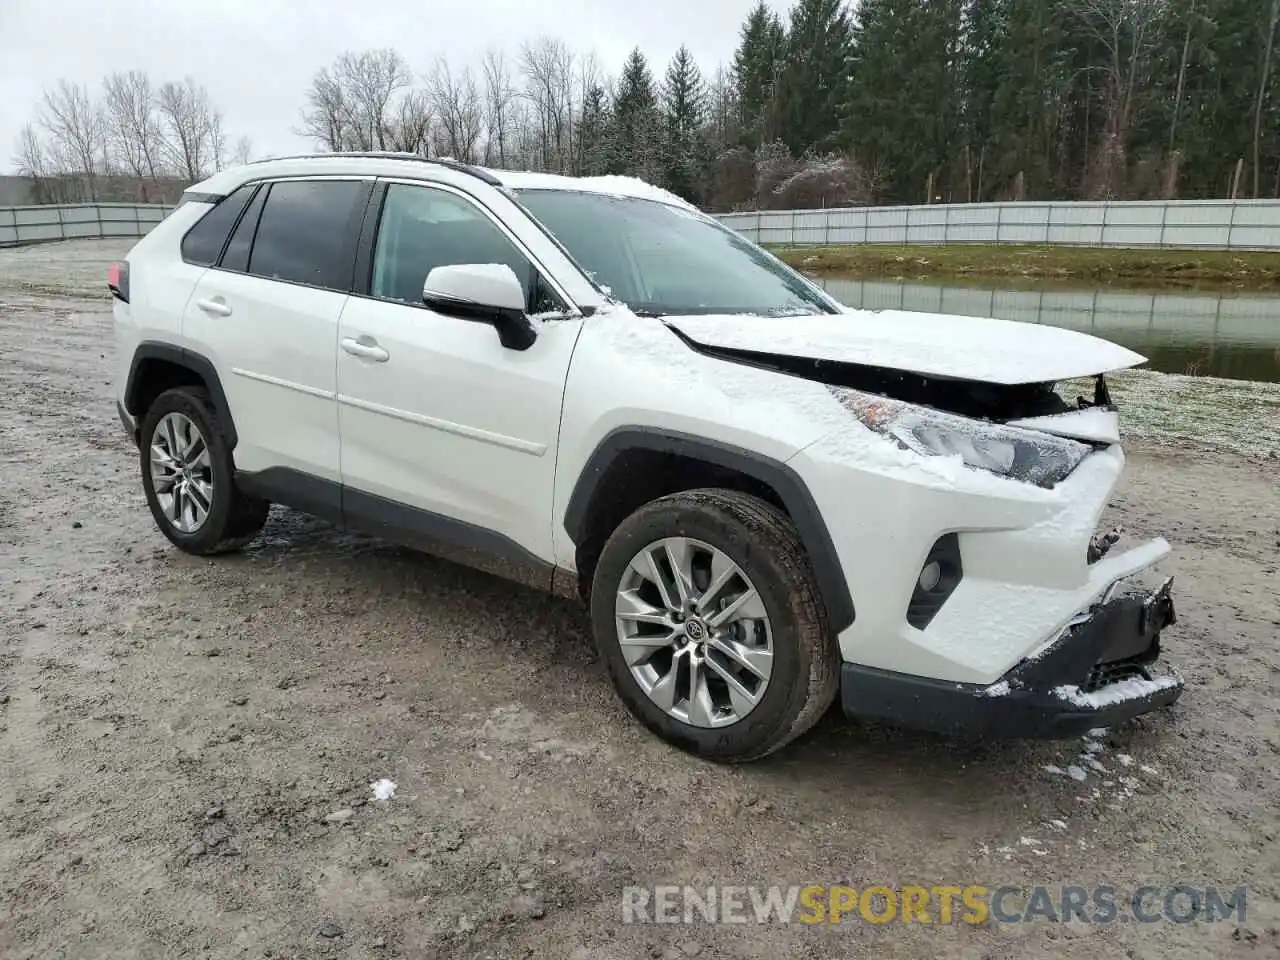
(765,499)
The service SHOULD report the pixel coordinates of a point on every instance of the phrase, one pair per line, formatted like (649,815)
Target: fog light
(939,576)
(930,576)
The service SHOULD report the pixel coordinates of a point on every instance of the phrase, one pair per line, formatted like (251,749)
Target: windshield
(661,260)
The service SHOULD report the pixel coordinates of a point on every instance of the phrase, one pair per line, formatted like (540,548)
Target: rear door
(267,315)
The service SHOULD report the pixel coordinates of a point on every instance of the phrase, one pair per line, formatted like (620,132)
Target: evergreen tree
(813,83)
(756,65)
(908,119)
(634,143)
(593,132)
(684,108)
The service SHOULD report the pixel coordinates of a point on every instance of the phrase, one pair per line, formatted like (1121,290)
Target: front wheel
(189,478)
(707,616)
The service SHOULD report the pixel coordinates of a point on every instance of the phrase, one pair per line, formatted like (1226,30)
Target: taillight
(118,280)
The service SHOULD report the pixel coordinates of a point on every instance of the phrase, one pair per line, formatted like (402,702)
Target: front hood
(932,344)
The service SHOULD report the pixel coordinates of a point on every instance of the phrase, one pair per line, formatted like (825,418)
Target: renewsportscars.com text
(972,904)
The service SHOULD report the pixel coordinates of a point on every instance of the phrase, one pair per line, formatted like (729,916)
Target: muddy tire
(189,477)
(751,662)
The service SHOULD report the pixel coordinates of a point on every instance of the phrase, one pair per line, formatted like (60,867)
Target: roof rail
(478,172)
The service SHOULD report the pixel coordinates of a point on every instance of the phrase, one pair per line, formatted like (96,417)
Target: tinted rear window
(302,234)
(204,242)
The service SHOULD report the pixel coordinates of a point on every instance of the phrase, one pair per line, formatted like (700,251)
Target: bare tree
(325,118)
(132,125)
(457,107)
(76,130)
(242,153)
(192,129)
(371,81)
(548,71)
(1127,32)
(499,100)
(363,101)
(1262,95)
(411,127)
(31,158)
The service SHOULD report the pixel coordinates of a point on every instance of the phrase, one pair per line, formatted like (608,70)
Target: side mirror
(486,292)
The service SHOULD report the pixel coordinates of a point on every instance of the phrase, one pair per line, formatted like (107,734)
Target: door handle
(216,308)
(365,347)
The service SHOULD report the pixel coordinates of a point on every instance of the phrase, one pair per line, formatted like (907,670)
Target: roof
(435,168)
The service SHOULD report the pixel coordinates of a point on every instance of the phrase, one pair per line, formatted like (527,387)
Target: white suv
(589,386)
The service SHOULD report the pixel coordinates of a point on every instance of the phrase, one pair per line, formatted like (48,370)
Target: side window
(236,256)
(303,232)
(422,228)
(204,242)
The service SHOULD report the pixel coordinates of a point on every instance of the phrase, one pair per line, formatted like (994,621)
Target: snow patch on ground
(1001,689)
(383,789)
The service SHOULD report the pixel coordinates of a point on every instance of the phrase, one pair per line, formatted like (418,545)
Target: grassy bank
(1158,408)
(1202,269)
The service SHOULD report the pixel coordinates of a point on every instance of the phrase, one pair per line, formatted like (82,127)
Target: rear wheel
(189,478)
(706,613)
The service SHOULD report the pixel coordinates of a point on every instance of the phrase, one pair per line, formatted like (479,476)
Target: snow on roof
(613,186)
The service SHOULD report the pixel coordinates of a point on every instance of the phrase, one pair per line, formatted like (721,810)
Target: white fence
(1205,224)
(78,221)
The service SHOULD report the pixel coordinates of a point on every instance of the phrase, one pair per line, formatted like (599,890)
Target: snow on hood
(940,345)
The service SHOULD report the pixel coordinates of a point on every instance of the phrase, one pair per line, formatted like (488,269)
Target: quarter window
(303,232)
(422,228)
(204,242)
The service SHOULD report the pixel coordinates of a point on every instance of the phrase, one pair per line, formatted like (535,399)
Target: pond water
(1237,337)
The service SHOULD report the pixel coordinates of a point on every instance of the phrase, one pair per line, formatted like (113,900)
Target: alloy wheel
(181,472)
(694,632)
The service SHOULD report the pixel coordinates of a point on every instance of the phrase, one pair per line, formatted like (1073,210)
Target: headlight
(1025,455)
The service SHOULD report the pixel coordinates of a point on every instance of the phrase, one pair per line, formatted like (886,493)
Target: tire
(231,518)
(764,545)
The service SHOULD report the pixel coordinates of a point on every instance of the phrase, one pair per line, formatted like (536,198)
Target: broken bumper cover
(1096,674)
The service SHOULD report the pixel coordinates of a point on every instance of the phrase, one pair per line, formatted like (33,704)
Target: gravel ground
(187,746)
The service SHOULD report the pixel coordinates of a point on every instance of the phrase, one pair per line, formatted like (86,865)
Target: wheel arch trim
(782,479)
(196,362)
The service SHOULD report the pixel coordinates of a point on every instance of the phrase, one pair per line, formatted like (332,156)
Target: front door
(434,413)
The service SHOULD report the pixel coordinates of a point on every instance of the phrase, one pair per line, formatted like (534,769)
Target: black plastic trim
(197,363)
(362,270)
(796,499)
(1023,703)
(130,425)
(925,604)
(293,488)
(204,197)
(252,209)
(356,510)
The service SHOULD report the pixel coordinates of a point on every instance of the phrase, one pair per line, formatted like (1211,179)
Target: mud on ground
(186,745)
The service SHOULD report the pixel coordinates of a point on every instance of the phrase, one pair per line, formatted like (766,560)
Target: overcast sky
(257,57)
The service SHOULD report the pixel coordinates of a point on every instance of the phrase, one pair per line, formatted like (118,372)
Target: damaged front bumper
(1097,673)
